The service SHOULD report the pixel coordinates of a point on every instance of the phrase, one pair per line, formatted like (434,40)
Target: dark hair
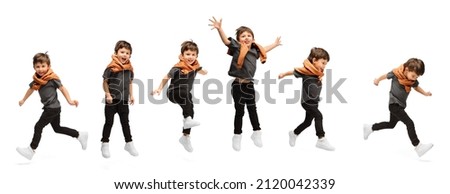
(318,53)
(415,65)
(243,29)
(189,45)
(41,58)
(123,44)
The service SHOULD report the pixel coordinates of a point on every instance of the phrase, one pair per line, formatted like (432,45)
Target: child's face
(320,64)
(246,37)
(189,56)
(41,68)
(124,55)
(411,75)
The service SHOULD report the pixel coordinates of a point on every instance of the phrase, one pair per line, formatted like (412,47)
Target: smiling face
(189,52)
(41,68)
(124,55)
(189,56)
(246,37)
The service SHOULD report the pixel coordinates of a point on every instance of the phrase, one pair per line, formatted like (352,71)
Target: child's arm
(67,96)
(282,75)
(377,80)
(420,90)
(274,44)
(27,94)
(161,86)
(218,25)
(203,72)
(131,94)
(107,93)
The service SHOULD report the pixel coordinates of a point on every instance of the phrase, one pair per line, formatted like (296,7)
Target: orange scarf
(38,82)
(117,66)
(243,51)
(309,69)
(185,68)
(399,73)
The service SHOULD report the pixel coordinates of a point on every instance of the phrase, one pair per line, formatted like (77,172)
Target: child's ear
(314,60)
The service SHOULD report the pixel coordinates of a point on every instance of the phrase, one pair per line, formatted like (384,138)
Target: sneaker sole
(190,126)
(426,151)
(327,149)
(188,149)
(23,154)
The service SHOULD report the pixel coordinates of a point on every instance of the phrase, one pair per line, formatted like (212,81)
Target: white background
(365,39)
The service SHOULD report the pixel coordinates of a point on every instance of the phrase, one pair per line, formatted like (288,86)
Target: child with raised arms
(245,52)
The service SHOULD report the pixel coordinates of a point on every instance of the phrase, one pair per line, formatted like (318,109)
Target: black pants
(312,113)
(120,107)
(52,116)
(183,98)
(244,94)
(397,113)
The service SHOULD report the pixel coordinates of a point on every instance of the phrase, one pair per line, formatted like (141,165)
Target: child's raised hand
(428,94)
(281,76)
(215,24)
(278,41)
(21,102)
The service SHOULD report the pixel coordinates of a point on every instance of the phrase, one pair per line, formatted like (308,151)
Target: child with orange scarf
(45,81)
(403,78)
(117,84)
(182,76)
(245,52)
(312,73)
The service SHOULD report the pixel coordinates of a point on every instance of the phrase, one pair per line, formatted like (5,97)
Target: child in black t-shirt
(245,52)
(312,73)
(403,78)
(117,84)
(45,81)
(182,77)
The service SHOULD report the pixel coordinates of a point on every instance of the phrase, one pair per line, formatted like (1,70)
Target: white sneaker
(105,150)
(82,138)
(237,142)
(26,152)
(188,122)
(323,143)
(186,142)
(421,149)
(256,137)
(129,146)
(367,131)
(292,138)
